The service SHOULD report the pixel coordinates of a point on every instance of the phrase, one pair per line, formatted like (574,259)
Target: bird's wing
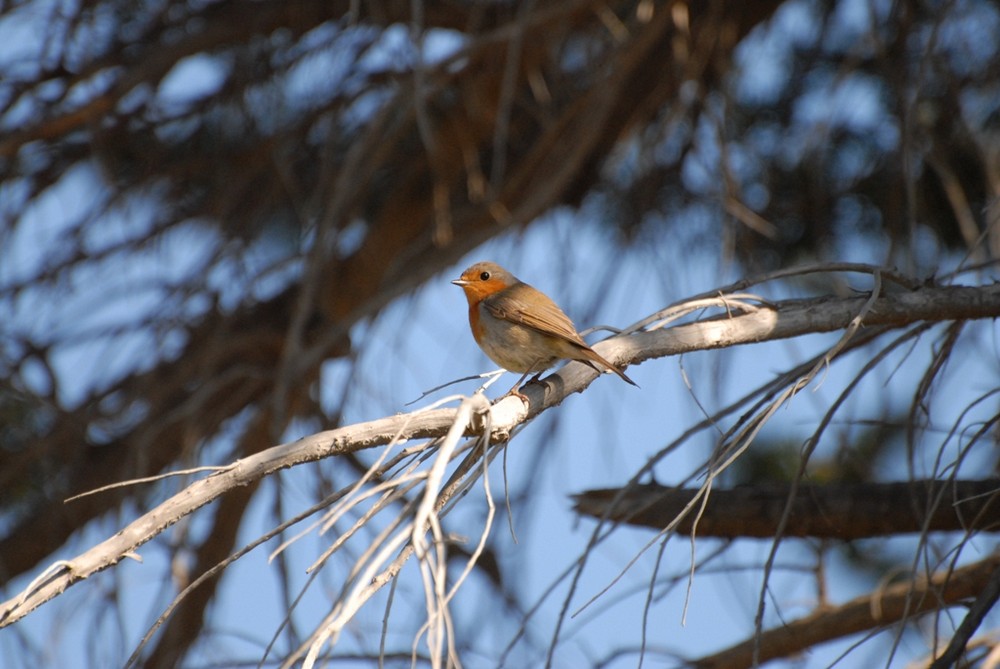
(541,314)
(545,316)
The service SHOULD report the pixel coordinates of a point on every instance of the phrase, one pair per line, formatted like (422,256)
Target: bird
(519,327)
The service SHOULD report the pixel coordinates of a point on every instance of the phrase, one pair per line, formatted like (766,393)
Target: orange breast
(476,323)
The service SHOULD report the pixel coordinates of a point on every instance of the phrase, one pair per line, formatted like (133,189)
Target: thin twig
(148,479)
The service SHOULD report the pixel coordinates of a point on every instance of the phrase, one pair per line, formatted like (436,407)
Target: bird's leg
(541,366)
(533,379)
(516,388)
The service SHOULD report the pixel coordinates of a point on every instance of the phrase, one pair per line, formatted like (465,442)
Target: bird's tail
(591,356)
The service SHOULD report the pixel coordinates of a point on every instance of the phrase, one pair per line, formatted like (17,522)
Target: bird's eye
(485,276)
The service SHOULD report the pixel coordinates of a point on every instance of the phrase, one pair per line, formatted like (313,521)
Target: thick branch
(840,511)
(792,318)
(243,472)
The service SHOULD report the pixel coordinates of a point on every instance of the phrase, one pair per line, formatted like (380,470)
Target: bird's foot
(517,388)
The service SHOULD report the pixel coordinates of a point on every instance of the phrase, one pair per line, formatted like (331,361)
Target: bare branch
(868,612)
(844,511)
(780,320)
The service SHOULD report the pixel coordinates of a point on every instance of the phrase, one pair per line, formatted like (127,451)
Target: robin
(519,327)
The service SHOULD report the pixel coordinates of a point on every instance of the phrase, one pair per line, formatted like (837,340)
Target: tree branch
(775,321)
(880,609)
(984,604)
(838,511)
(792,318)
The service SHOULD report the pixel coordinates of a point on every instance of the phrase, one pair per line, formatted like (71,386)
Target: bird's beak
(460,282)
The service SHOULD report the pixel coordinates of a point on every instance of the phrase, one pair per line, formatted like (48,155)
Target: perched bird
(519,327)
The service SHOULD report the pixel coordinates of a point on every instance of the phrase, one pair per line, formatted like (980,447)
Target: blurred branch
(894,604)
(983,604)
(839,511)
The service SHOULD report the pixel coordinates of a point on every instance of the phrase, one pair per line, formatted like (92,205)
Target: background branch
(894,604)
(845,511)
